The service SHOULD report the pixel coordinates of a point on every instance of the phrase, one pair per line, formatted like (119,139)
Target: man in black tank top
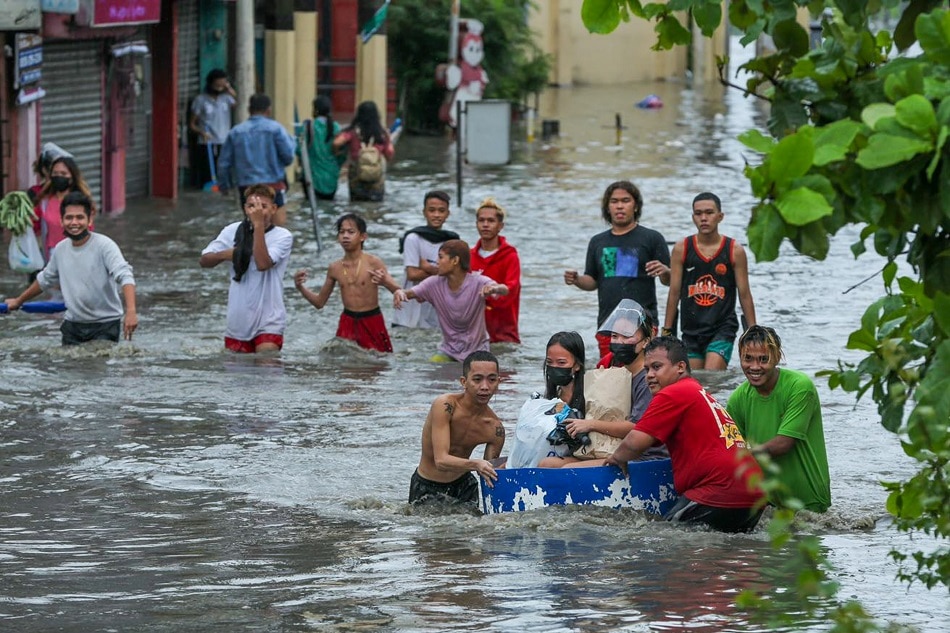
(708,272)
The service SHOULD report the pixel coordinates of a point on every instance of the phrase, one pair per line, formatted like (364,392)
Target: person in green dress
(316,136)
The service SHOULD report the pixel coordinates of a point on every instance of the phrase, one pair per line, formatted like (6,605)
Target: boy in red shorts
(361,321)
(257,252)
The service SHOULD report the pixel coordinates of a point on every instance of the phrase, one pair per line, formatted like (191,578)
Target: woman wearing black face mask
(64,177)
(564,370)
(630,329)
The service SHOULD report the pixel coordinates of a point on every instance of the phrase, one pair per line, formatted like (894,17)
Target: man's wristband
(665,331)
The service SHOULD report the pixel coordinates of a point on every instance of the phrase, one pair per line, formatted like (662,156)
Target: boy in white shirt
(258,251)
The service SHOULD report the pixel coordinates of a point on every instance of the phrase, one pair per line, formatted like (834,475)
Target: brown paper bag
(607,392)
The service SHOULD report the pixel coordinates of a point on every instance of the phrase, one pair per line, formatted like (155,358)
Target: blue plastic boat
(649,487)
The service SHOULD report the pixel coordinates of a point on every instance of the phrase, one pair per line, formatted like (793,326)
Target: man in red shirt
(494,257)
(714,473)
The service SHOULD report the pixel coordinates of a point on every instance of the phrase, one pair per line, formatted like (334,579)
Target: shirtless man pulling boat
(456,424)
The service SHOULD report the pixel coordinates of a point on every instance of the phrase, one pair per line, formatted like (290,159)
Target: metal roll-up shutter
(72,108)
(189,79)
(138,149)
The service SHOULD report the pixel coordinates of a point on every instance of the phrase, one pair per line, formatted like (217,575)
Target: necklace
(356,277)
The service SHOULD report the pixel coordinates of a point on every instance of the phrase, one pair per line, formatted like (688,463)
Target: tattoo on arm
(449,409)
(499,431)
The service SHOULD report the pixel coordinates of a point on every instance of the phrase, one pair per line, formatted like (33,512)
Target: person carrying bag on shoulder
(369,147)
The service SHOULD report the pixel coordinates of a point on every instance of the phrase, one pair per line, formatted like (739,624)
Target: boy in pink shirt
(459,301)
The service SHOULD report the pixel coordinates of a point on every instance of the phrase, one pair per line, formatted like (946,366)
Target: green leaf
(766,232)
(930,415)
(916,113)
(708,16)
(792,157)
(943,111)
(942,312)
(741,16)
(600,16)
(802,206)
(789,36)
(941,140)
(884,150)
(754,139)
(906,82)
(654,9)
(933,33)
(876,111)
(671,33)
(786,117)
(833,141)
(812,240)
(889,272)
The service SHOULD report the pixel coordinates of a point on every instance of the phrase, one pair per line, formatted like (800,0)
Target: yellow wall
(624,56)
(371,72)
(305,62)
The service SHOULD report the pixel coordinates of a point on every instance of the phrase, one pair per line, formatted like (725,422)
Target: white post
(244,57)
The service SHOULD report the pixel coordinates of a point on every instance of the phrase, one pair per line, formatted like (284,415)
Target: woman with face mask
(630,329)
(564,370)
(64,177)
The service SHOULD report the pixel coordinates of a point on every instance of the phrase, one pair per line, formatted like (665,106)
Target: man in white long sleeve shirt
(89,271)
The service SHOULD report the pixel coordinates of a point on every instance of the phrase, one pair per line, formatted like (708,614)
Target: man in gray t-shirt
(89,269)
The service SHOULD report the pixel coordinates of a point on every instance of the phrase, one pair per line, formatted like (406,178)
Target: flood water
(166,485)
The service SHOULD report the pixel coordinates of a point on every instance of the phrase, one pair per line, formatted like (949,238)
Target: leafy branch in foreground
(857,135)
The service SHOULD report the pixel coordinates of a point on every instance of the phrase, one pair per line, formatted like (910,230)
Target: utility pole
(244,57)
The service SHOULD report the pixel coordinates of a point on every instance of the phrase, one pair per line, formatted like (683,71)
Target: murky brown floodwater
(167,486)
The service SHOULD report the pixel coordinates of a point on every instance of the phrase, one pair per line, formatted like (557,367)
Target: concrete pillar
(165,124)
(371,61)
(565,17)
(243,57)
(305,64)
(371,72)
(279,66)
(705,51)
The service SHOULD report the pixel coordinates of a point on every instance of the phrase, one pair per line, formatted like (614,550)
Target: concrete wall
(584,58)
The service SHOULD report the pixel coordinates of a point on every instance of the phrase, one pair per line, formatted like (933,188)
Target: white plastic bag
(531,434)
(25,255)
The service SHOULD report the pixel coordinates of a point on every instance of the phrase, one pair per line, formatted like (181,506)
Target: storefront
(98,100)
(71,113)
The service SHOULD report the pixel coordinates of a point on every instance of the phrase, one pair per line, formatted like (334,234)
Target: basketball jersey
(708,292)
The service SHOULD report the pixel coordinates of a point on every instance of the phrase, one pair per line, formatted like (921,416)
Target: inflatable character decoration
(465,77)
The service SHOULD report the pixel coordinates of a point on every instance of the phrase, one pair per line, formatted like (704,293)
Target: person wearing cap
(420,253)
(624,261)
(630,329)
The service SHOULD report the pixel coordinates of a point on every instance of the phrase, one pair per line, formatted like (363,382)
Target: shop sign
(20,15)
(59,6)
(28,59)
(122,12)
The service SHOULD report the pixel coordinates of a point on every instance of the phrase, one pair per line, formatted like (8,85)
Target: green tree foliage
(419,41)
(857,134)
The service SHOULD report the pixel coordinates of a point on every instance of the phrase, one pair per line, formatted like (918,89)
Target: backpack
(369,164)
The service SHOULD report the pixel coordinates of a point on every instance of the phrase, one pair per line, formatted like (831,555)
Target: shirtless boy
(456,424)
(361,321)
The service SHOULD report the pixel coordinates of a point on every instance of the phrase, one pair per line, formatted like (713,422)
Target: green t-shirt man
(791,409)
